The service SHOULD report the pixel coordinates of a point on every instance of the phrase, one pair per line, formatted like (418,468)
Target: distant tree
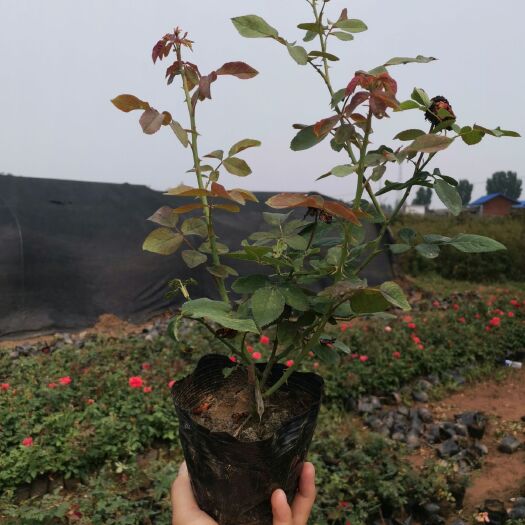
(505,182)
(465,191)
(423,196)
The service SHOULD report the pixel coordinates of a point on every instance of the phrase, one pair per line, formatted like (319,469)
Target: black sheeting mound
(71,251)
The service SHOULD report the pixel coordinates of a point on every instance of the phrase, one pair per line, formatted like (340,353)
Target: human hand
(187,512)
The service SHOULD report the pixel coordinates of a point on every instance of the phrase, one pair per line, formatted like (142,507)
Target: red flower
(316,365)
(355,356)
(52,385)
(514,302)
(135,382)
(343,504)
(90,401)
(511,314)
(487,328)
(256,355)
(407,318)
(265,340)
(289,363)
(233,359)
(477,316)
(421,347)
(412,326)
(363,358)
(249,348)
(396,355)
(455,307)
(416,339)
(27,442)
(171,383)
(64,380)
(495,321)
(462,320)
(436,304)
(146,366)
(344,327)
(147,389)
(4,386)
(310,353)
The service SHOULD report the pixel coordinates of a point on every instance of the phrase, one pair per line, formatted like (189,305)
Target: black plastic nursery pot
(233,479)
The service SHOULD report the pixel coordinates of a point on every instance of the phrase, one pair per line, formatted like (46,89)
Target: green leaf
(249,284)
(321,54)
(343,170)
(275,219)
(343,36)
(237,166)
(338,97)
(221,270)
(180,133)
(296,242)
(311,26)
(286,332)
(407,235)
(378,172)
(394,294)
(163,241)
(449,196)
(409,134)
(407,104)
(242,145)
(295,297)
(194,226)
(310,35)
(471,136)
(326,355)
(253,26)
(305,139)
(475,244)
(216,154)
(267,305)
(396,249)
(344,133)
(498,132)
(433,238)
(351,25)
(430,251)
(446,178)
(430,143)
(165,216)
(221,248)
(421,97)
(342,347)
(298,53)
(368,301)
(405,60)
(193,258)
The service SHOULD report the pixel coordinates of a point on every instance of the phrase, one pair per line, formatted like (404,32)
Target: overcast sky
(63,60)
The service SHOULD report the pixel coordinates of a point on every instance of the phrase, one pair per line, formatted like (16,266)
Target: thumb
(182,497)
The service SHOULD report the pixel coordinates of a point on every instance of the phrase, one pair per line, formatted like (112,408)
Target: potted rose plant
(245,427)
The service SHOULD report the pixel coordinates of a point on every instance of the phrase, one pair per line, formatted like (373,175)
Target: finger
(282,514)
(305,497)
(182,497)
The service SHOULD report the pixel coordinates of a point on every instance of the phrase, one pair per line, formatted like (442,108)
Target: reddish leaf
(338,209)
(245,194)
(158,50)
(237,69)
(205,85)
(128,103)
(166,120)
(151,121)
(286,200)
(228,207)
(344,15)
(187,191)
(326,125)
(188,207)
(219,190)
(173,70)
(357,100)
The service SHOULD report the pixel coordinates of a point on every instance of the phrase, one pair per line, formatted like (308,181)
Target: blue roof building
(494,204)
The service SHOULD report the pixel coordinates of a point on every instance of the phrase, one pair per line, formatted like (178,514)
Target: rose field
(89,435)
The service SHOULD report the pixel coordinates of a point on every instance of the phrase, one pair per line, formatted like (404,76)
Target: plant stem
(197,165)
(361,166)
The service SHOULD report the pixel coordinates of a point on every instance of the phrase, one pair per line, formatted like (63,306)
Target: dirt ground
(502,475)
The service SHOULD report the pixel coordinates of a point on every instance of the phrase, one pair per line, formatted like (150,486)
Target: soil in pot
(236,461)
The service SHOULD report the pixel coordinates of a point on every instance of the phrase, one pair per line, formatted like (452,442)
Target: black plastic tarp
(71,251)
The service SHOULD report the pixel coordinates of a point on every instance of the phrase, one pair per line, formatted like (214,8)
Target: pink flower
(412,326)
(396,355)
(514,302)
(147,389)
(421,347)
(4,386)
(27,442)
(343,327)
(487,328)
(289,363)
(233,359)
(495,321)
(256,355)
(511,314)
(90,401)
(265,340)
(171,383)
(363,358)
(249,348)
(311,354)
(462,320)
(64,380)
(407,318)
(146,366)
(436,304)
(316,365)
(416,339)
(355,356)
(52,385)
(477,316)
(135,382)
(388,329)
(455,306)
